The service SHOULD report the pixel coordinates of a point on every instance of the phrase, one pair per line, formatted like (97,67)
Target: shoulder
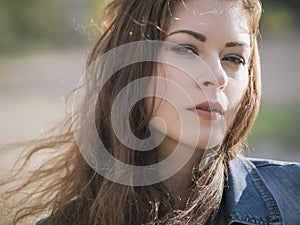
(272,187)
(269,163)
(42,222)
(270,170)
(280,177)
(283,179)
(279,174)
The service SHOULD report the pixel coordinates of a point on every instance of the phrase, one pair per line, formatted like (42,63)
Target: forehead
(212,7)
(211,16)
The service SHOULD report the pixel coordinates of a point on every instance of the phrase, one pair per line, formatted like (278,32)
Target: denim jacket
(263,192)
(260,192)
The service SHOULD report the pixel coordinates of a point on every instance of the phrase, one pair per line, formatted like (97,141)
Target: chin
(204,139)
(209,145)
(203,142)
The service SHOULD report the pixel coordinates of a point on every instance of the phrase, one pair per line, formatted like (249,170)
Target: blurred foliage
(25,24)
(30,24)
(280,125)
(280,16)
(97,7)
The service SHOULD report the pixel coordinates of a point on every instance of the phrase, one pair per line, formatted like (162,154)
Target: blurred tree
(294,5)
(89,26)
(281,16)
(7,38)
(279,125)
(26,25)
(97,7)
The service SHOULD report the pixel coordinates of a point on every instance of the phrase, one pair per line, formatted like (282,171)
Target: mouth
(209,110)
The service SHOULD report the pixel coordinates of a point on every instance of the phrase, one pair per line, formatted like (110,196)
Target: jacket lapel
(248,199)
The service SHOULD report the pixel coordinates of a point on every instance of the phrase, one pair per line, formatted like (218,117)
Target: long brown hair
(73,193)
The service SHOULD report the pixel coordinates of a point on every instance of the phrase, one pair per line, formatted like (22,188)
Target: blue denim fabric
(42,222)
(263,192)
(260,192)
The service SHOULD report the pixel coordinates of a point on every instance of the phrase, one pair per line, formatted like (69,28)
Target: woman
(184,128)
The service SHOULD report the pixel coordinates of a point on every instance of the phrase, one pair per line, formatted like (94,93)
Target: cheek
(235,92)
(174,74)
(237,87)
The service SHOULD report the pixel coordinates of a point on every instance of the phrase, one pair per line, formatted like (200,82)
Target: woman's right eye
(184,50)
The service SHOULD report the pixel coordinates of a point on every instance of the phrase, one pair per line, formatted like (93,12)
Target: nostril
(224,83)
(222,87)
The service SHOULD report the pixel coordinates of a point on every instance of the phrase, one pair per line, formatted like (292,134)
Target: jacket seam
(250,220)
(274,213)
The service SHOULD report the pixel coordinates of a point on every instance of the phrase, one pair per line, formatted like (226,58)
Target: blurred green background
(33,24)
(43,45)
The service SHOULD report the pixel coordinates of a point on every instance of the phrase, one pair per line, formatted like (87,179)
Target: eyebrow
(198,36)
(235,44)
(203,38)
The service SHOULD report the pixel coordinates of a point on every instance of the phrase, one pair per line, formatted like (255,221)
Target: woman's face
(208,55)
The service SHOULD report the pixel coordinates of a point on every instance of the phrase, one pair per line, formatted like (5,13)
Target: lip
(209,110)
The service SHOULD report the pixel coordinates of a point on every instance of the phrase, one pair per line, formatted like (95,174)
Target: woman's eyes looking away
(189,50)
(235,59)
(184,49)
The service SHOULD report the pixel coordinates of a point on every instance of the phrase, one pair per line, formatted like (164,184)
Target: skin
(212,44)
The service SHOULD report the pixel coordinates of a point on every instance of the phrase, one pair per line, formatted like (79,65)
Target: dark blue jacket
(264,192)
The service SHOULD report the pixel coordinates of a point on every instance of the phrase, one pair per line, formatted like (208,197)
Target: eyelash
(183,49)
(235,59)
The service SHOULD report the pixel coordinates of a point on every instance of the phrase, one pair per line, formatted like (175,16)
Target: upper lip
(211,106)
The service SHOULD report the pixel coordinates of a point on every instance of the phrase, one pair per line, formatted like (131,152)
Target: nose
(214,75)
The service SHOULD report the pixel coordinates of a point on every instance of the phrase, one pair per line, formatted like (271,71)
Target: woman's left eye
(183,49)
(235,59)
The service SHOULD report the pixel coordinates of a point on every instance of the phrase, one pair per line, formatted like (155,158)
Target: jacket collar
(248,199)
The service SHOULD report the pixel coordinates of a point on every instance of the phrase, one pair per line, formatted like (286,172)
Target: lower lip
(208,115)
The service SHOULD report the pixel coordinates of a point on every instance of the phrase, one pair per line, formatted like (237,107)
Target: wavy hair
(71,192)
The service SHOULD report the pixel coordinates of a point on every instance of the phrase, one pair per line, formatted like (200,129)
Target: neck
(180,183)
